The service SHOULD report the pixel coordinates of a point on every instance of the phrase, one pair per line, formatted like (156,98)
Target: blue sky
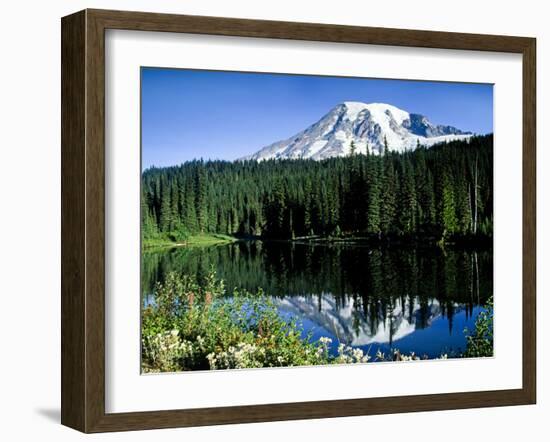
(189,114)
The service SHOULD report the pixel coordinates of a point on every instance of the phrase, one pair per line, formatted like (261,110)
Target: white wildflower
(350,355)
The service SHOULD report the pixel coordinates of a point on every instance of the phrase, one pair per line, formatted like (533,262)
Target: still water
(412,299)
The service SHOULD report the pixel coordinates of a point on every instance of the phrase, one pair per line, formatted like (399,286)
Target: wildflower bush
(191,326)
(479,343)
(350,355)
(167,352)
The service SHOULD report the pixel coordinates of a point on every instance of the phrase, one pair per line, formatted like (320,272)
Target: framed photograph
(267,221)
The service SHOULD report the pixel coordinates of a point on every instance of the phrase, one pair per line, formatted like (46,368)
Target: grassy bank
(198,240)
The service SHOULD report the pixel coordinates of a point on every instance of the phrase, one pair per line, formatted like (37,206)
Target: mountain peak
(353,108)
(367,125)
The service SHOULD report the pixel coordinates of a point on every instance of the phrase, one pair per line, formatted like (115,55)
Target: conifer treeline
(442,191)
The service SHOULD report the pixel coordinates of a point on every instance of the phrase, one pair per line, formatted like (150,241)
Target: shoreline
(216,239)
(470,242)
(201,240)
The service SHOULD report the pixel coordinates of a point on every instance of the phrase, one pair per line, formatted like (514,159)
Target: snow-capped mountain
(342,321)
(366,125)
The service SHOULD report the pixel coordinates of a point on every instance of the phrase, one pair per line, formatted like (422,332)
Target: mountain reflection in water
(414,299)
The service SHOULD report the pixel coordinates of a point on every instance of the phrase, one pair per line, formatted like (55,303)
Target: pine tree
(275,212)
(201,208)
(165,208)
(174,207)
(373,195)
(148,225)
(426,200)
(407,199)
(463,209)
(388,192)
(189,215)
(307,207)
(447,209)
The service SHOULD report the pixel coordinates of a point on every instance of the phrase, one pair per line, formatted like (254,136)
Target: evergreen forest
(444,193)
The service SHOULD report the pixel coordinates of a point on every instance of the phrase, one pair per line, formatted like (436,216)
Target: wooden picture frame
(83,220)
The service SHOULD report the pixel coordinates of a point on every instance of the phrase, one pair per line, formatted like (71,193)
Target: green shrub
(479,343)
(192,326)
(179,234)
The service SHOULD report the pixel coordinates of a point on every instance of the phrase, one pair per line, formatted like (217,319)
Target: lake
(413,299)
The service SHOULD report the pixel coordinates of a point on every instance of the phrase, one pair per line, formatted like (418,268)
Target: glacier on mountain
(368,126)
